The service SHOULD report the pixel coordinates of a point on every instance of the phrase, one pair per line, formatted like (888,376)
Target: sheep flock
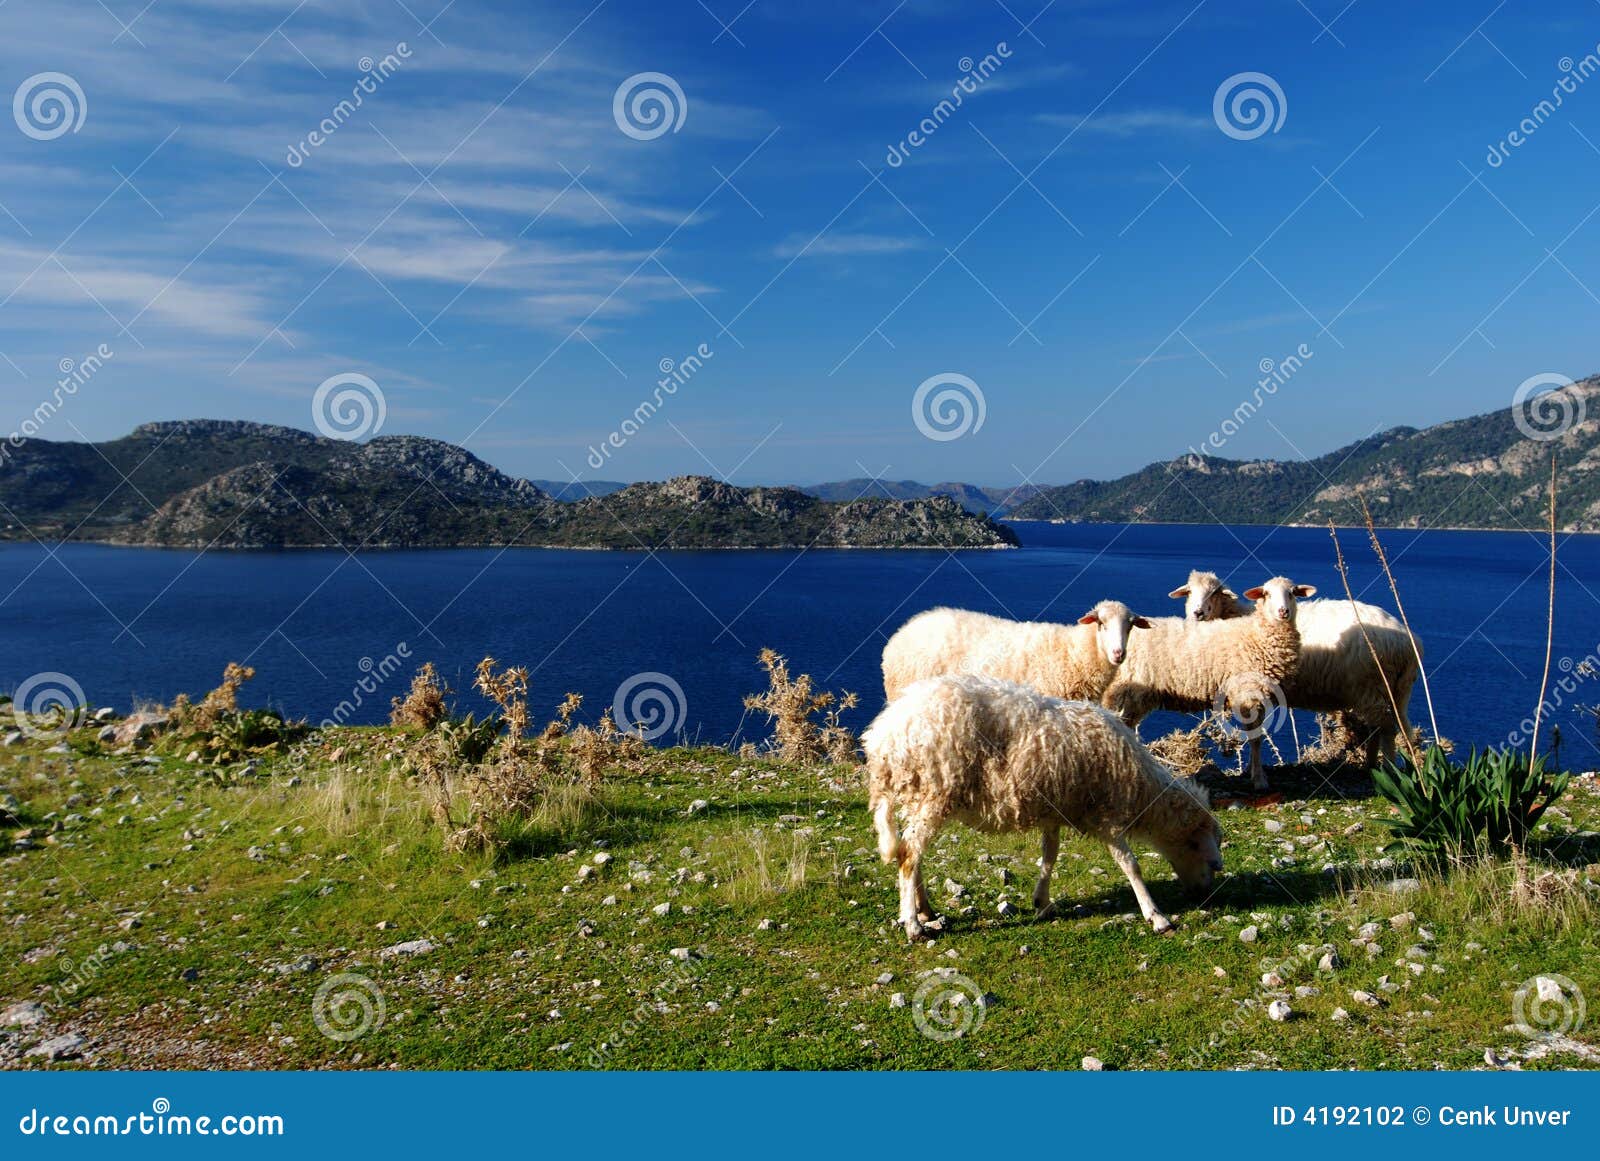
(1011,726)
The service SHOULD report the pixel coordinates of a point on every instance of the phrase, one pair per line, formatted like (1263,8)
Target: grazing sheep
(999,757)
(1068,661)
(1337,674)
(1241,663)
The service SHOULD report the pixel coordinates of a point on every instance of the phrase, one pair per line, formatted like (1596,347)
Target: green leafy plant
(1488,803)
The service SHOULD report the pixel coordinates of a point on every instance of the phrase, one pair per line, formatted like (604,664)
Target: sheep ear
(1254,594)
(1088,619)
(1179,594)
(1140,622)
(1303,591)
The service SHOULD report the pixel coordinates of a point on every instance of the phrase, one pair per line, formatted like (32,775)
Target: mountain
(225,484)
(1481,472)
(991,501)
(578,489)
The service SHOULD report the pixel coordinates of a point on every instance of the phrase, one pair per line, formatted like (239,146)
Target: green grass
(532,969)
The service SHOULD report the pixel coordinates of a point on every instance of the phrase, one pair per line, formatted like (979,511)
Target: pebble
(1340,1015)
(662,909)
(898,1000)
(682,953)
(1093,1064)
(1248,935)
(1279,1011)
(1006,909)
(954,889)
(1366,998)
(1402,886)
(1402,921)
(886,978)
(1274,826)
(1330,962)
(1271,980)
(609,901)
(767,925)
(58,1047)
(409,947)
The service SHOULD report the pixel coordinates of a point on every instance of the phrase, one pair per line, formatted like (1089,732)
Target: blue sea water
(129,624)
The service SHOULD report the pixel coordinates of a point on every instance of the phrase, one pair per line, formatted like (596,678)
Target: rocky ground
(715,911)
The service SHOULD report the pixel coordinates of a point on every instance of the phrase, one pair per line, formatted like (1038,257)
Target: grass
(142,869)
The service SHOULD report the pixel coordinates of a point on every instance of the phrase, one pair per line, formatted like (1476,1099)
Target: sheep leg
(912,893)
(1130,867)
(1050,847)
(925,911)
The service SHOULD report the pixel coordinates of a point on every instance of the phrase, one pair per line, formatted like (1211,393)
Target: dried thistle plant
(423,706)
(791,704)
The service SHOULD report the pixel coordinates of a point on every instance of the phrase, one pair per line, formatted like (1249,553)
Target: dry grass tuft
(791,705)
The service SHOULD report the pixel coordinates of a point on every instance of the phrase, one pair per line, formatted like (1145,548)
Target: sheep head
(1113,622)
(1277,599)
(1195,853)
(1205,597)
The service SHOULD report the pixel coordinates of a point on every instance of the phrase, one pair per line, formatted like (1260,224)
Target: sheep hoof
(1047,911)
(915,932)
(1162,925)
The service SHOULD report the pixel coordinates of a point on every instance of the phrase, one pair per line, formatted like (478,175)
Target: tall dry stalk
(1344,575)
(1550,617)
(1394,587)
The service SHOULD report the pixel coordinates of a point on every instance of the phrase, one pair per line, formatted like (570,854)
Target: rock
(409,948)
(1306,991)
(898,1000)
(129,922)
(1340,1015)
(954,889)
(106,734)
(1271,980)
(304,965)
(586,872)
(1093,1064)
(140,728)
(1548,990)
(886,978)
(1273,826)
(1354,828)
(1330,962)
(601,858)
(1403,886)
(1366,998)
(698,805)
(58,1047)
(1278,1011)
(26,1014)
(14,738)
(1006,909)
(767,925)
(105,714)
(1249,934)
(1368,931)
(609,901)
(1403,920)
(662,909)
(189,975)
(681,953)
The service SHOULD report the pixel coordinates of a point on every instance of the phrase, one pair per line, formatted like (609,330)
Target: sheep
(1240,663)
(1002,757)
(1067,661)
(1337,674)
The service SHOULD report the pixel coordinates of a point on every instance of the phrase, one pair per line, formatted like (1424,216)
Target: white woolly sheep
(1002,757)
(1239,663)
(1336,674)
(1067,661)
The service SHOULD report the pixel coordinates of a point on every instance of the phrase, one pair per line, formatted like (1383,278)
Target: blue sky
(1080,238)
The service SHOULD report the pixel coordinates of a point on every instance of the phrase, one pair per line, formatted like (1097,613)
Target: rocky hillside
(1482,472)
(200,483)
(974,498)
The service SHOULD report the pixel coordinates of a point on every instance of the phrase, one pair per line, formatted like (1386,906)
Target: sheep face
(1204,597)
(1276,600)
(1196,857)
(1113,622)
